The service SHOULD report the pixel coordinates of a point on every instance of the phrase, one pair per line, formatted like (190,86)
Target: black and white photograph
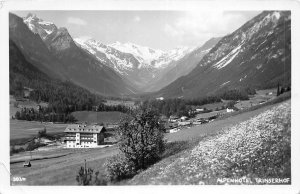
(177,93)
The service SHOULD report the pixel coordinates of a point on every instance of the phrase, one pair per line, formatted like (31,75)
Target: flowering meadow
(256,151)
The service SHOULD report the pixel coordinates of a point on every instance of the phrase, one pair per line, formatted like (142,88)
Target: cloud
(84,38)
(173,31)
(195,27)
(76,21)
(137,19)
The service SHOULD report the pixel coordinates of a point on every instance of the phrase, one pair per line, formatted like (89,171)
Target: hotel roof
(81,128)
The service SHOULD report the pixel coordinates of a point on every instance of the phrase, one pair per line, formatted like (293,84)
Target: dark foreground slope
(258,54)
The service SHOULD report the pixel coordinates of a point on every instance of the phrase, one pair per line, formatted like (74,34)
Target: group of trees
(203,100)
(237,94)
(119,107)
(168,107)
(43,115)
(182,107)
(281,90)
(87,176)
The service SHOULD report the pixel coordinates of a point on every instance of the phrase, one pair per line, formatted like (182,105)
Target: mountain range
(258,55)
(139,64)
(54,51)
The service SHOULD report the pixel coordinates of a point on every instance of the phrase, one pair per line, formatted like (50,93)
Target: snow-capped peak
(142,53)
(39,26)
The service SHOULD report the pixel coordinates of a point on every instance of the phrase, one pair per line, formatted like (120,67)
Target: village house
(170,127)
(229,110)
(82,136)
(174,130)
(173,118)
(160,98)
(183,118)
(199,109)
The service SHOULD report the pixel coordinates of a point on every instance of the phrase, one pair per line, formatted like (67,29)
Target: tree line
(183,107)
(43,115)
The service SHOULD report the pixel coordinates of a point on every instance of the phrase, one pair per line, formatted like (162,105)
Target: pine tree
(278,89)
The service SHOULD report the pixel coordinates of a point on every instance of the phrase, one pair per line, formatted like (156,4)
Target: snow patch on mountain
(223,84)
(228,58)
(107,55)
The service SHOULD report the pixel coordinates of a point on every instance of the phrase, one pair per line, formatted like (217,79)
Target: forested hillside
(62,96)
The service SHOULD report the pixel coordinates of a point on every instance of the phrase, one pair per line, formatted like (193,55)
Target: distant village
(174,123)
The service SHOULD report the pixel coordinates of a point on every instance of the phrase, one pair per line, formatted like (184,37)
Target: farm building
(229,110)
(81,135)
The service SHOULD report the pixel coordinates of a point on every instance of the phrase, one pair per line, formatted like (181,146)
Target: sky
(162,30)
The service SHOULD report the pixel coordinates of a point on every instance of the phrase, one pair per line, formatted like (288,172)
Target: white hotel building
(83,136)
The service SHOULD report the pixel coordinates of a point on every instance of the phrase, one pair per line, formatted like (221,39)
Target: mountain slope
(258,54)
(76,64)
(33,48)
(181,67)
(21,72)
(62,97)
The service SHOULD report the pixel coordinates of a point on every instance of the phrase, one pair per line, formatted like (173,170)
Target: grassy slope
(258,147)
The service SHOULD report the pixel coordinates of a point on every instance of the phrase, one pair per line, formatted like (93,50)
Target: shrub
(231,104)
(141,138)
(33,145)
(119,167)
(14,150)
(42,133)
(141,144)
(88,177)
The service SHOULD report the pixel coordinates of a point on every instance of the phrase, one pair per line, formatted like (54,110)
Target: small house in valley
(84,136)
(229,110)
(173,118)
